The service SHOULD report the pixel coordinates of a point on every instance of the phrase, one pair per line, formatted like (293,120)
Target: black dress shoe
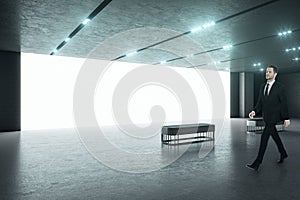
(282,157)
(253,166)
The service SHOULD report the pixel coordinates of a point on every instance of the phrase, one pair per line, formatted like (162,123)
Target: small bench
(187,133)
(256,125)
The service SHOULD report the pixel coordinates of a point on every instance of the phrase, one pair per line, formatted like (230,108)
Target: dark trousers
(270,129)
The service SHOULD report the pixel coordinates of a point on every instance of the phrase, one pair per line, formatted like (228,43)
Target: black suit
(274,109)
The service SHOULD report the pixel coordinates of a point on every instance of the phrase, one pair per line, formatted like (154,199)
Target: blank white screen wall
(47,85)
(47,91)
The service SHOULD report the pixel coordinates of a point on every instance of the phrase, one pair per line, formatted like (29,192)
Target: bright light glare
(67,39)
(132,53)
(48,83)
(227,47)
(86,21)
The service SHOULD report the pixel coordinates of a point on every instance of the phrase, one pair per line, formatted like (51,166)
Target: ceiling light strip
(231,46)
(219,62)
(196,66)
(203,26)
(81,25)
(247,10)
(152,45)
(293,49)
(173,59)
(233,59)
(208,51)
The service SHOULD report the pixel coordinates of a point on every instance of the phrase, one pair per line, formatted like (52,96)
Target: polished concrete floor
(54,164)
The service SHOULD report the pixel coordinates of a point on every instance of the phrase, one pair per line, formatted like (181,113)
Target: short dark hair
(275,69)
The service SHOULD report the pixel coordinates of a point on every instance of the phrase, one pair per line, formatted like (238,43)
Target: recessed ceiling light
(284,33)
(202,27)
(227,47)
(256,64)
(196,29)
(132,53)
(67,39)
(292,49)
(208,24)
(86,21)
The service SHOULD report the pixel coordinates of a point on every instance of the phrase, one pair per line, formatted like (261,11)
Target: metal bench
(187,133)
(256,125)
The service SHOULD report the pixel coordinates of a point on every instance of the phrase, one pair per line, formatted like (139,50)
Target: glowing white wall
(47,84)
(46,91)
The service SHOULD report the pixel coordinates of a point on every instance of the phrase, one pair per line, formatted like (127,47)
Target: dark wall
(9,91)
(292,85)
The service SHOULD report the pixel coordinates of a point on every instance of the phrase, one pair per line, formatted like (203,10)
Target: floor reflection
(54,164)
(9,164)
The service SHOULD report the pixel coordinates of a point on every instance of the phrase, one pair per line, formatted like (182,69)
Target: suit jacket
(273,106)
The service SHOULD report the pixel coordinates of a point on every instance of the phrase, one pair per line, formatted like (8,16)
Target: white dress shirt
(270,86)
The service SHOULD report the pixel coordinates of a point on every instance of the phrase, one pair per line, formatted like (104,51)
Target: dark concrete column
(234,94)
(246,91)
(9,91)
(241,94)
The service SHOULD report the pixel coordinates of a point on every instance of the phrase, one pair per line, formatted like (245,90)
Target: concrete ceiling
(124,26)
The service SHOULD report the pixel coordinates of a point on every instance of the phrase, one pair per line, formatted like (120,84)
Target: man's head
(271,72)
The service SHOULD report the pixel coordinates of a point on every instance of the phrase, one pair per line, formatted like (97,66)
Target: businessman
(273,106)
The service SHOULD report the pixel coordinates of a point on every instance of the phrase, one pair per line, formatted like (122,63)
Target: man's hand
(286,123)
(252,114)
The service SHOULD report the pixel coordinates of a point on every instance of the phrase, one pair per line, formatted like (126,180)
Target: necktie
(267,89)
